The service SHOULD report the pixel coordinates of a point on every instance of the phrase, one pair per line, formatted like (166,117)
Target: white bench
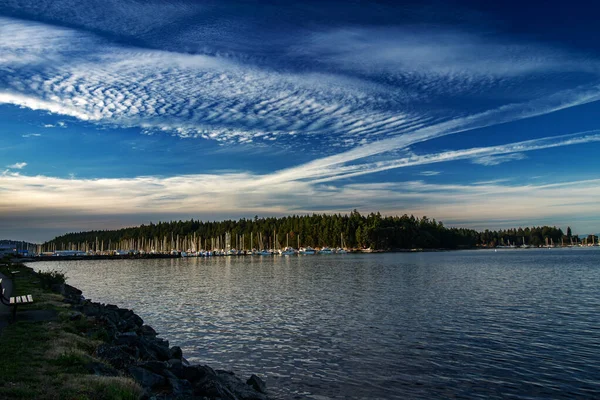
(14,301)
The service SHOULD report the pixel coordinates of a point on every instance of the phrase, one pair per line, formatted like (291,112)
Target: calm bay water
(471,324)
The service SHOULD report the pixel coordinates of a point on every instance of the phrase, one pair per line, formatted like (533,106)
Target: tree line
(335,230)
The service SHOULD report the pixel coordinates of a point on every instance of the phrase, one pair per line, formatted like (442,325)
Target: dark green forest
(357,231)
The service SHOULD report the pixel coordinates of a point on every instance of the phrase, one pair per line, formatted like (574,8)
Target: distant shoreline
(172,256)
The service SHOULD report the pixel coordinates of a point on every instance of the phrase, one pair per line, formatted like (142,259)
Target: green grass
(45,360)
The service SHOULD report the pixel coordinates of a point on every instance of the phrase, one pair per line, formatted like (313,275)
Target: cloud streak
(326,170)
(19,165)
(246,192)
(210,195)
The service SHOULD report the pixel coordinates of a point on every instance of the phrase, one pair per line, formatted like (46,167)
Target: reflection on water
(472,324)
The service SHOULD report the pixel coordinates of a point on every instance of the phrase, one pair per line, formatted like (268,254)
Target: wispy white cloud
(440,60)
(19,165)
(338,167)
(238,194)
(241,192)
(224,99)
(29,135)
(496,160)
(59,124)
(429,173)
(196,95)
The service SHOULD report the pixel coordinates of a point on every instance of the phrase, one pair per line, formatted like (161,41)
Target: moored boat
(306,250)
(288,251)
(325,250)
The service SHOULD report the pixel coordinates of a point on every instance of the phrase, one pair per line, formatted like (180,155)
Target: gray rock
(146,378)
(127,338)
(258,384)
(146,330)
(196,373)
(124,313)
(237,387)
(115,355)
(158,367)
(160,348)
(181,388)
(214,389)
(173,362)
(176,367)
(135,320)
(176,352)
(72,294)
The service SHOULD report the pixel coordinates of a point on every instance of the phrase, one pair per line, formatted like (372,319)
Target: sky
(115,113)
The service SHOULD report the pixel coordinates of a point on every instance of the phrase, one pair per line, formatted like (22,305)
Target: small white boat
(265,253)
(307,250)
(325,250)
(288,251)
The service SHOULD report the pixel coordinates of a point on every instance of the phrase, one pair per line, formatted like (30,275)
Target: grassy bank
(49,352)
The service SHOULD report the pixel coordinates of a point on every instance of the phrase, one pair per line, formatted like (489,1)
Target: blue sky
(117,113)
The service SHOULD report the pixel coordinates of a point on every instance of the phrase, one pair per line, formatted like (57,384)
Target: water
(472,324)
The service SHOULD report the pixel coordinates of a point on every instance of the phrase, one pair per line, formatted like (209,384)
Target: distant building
(7,250)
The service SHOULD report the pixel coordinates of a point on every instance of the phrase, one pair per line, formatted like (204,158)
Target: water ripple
(474,324)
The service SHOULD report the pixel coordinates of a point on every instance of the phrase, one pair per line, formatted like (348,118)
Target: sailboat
(263,251)
(342,249)
(288,251)
(325,250)
(305,250)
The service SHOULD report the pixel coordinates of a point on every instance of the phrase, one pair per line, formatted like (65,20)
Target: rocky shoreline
(134,349)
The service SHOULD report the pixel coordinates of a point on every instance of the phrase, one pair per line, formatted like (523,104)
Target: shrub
(50,278)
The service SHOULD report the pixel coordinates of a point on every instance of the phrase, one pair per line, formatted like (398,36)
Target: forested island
(352,231)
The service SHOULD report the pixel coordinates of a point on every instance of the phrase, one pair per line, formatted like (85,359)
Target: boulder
(72,294)
(258,384)
(213,389)
(158,367)
(146,330)
(176,352)
(124,313)
(126,338)
(181,388)
(236,386)
(176,367)
(115,355)
(135,320)
(160,348)
(196,373)
(146,378)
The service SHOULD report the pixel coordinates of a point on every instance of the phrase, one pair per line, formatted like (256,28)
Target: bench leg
(14,313)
